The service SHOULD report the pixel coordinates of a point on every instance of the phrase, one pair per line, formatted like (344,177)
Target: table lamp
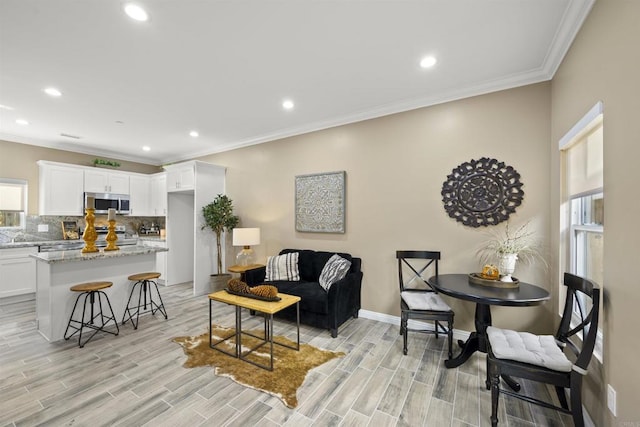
(246,237)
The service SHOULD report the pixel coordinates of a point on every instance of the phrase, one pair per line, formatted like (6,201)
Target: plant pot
(508,266)
(219,281)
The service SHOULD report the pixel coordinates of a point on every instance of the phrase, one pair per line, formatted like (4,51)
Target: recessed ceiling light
(6,107)
(136,12)
(428,62)
(194,134)
(22,122)
(146,148)
(287,104)
(52,91)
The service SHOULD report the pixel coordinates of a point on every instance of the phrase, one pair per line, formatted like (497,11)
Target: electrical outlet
(611,399)
(43,228)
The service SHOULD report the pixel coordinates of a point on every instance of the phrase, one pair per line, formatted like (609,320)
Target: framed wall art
(321,202)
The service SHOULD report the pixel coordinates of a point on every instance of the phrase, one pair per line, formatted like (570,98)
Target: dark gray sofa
(318,307)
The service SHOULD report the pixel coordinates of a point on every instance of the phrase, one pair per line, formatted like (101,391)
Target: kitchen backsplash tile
(31,233)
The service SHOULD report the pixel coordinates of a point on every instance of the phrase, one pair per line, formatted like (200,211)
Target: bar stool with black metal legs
(145,297)
(89,292)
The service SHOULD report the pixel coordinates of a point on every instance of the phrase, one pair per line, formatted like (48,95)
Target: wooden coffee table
(268,309)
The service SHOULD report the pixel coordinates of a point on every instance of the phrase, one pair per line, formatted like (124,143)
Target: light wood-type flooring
(137,378)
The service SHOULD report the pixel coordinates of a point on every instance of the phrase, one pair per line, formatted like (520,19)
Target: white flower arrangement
(522,242)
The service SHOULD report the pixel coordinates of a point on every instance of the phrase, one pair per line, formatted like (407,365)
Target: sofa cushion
(335,269)
(283,267)
(321,258)
(313,297)
(305,263)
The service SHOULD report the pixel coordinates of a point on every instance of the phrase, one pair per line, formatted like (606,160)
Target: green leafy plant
(103,162)
(219,217)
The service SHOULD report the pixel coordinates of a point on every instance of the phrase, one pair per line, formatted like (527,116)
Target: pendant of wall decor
(482,192)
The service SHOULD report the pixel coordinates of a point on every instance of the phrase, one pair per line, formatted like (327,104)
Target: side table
(242,269)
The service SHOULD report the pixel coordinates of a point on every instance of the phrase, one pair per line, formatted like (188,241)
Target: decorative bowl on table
(479,279)
(250,295)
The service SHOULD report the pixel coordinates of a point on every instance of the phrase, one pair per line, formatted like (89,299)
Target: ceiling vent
(66,135)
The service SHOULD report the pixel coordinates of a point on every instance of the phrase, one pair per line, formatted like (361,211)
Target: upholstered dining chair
(418,301)
(541,358)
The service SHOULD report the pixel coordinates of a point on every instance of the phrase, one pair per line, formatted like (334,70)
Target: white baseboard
(395,320)
(17,298)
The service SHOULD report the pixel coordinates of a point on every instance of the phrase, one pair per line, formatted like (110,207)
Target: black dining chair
(541,358)
(418,300)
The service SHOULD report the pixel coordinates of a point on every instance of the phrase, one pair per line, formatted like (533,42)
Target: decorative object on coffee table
(289,372)
(482,192)
(321,202)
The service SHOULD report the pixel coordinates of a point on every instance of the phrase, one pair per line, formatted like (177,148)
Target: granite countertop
(152,238)
(12,245)
(77,255)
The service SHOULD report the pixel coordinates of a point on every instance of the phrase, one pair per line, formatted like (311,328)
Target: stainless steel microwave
(102,202)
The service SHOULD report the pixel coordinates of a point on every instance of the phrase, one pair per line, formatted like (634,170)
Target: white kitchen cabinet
(140,196)
(60,189)
(161,259)
(102,181)
(17,271)
(180,177)
(158,195)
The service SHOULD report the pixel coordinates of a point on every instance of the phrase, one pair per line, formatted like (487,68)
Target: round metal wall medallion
(482,192)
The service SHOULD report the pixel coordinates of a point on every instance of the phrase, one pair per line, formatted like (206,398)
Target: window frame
(25,195)
(586,125)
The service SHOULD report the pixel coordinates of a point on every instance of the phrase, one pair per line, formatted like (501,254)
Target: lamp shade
(246,236)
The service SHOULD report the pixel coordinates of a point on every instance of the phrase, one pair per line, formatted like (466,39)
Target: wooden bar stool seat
(89,291)
(144,282)
(144,276)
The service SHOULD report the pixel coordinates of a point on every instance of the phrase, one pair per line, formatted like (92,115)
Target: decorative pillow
(335,269)
(283,267)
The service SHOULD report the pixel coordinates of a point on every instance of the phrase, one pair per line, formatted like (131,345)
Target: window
(13,202)
(583,211)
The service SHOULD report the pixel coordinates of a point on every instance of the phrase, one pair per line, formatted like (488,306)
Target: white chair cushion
(539,350)
(424,301)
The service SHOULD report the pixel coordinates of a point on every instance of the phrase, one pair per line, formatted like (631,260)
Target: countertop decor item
(112,237)
(70,230)
(90,236)
(482,192)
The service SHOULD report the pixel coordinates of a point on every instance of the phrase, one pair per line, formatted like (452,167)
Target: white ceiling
(223,68)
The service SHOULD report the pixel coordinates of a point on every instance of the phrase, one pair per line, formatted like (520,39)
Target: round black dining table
(458,286)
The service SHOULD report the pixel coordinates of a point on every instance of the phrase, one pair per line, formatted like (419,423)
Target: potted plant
(219,217)
(506,246)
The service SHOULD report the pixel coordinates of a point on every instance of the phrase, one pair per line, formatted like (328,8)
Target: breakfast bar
(58,271)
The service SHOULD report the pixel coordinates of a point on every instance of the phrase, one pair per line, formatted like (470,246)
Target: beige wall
(395,168)
(18,161)
(602,65)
